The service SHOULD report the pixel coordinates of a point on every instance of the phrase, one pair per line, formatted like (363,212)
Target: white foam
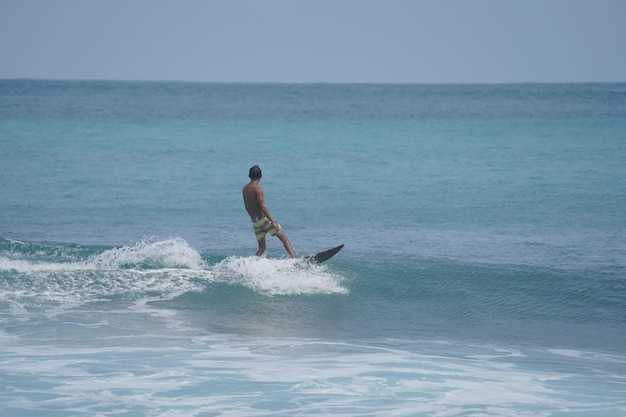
(169,253)
(164,268)
(279,276)
(273,376)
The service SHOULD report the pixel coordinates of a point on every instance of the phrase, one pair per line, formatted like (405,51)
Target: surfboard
(323,256)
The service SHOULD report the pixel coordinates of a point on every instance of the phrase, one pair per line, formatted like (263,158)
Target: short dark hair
(255,173)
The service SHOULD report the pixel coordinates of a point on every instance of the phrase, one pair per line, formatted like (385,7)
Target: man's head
(255,173)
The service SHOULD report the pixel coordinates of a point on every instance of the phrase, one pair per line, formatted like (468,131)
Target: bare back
(253,199)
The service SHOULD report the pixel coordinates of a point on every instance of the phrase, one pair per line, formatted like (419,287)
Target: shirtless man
(262,220)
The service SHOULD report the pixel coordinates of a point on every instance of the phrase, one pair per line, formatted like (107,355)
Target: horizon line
(114,80)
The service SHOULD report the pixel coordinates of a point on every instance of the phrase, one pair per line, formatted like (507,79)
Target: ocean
(483,273)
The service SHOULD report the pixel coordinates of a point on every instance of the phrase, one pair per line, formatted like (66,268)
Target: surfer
(262,220)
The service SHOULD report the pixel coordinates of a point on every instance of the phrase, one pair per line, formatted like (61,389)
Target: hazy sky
(391,41)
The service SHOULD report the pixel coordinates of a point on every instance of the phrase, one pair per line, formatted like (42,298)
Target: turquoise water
(483,274)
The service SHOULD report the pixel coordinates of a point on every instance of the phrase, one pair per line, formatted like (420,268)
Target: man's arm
(264,209)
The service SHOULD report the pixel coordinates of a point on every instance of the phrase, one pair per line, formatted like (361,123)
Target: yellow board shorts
(262,226)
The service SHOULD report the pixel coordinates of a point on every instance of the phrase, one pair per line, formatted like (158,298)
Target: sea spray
(279,276)
(150,254)
(165,268)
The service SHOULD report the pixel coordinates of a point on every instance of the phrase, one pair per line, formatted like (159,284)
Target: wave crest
(36,274)
(170,253)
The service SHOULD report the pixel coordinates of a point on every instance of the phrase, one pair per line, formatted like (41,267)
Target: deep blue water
(484,271)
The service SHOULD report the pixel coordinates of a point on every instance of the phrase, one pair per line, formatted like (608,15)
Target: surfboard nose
(323,256)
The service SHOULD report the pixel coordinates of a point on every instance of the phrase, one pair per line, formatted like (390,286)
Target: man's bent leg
(286,243)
